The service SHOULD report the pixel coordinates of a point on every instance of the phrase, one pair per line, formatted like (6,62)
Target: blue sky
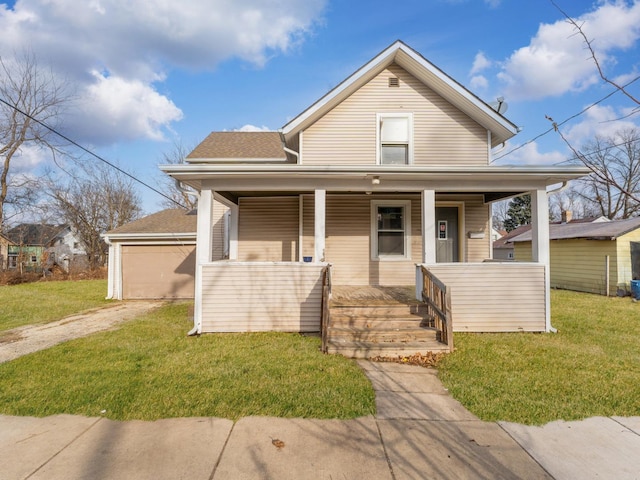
(151,74)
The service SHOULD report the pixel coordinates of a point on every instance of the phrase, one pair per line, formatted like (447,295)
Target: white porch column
(204,246)
(233,231)
(428,226)
(540,242)
(319,238)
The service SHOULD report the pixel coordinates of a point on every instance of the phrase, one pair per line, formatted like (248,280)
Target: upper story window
(395,138)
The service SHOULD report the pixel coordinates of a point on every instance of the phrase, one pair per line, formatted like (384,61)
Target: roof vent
(394,82)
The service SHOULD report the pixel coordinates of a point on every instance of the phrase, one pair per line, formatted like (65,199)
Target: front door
(447,234)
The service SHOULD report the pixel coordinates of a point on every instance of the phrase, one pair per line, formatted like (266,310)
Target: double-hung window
(390,229)
(395,132)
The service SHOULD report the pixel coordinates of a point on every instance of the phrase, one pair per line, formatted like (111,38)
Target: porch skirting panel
(495,297)
(261,296)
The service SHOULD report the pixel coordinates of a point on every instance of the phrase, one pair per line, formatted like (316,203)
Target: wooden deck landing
(367,295)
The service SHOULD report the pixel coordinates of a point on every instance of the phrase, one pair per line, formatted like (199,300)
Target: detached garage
(153,257)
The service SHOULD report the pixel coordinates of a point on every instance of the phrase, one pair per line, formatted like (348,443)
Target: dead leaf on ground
(278,443)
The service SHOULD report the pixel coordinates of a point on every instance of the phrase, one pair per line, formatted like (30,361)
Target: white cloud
(603,121)
(253,128)
(28,158)
(480,63)
(530,155)
(114,108)
(479,82)
(136,44)
(556,62)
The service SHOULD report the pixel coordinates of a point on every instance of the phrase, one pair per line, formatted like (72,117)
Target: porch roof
(494,181)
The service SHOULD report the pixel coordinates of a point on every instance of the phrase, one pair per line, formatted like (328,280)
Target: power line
(557,125)
(86,150)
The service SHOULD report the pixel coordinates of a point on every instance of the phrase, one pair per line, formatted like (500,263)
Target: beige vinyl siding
(495,297)
(348,242)
(218,222)
(268,229)
(578,264)
(348,232)
(442,134)
(241,297)
(476,219)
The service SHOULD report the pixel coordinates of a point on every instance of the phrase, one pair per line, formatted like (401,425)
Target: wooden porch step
(409,334)
(359,349)
(379,310)
(367,322)
(379,323)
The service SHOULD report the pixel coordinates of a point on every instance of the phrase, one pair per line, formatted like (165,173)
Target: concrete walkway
(419,432)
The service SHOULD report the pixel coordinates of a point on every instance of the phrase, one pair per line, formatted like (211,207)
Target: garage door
(158,271)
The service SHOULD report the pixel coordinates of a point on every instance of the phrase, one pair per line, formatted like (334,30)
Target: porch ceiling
(494,182)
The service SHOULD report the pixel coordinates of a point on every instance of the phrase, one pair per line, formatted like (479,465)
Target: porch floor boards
(372,321)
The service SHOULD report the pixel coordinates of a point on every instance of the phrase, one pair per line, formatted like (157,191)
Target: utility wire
(557,125)
(84,149)
(600,150)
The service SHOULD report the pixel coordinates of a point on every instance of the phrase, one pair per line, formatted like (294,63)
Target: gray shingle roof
(595,231)
(173,220)
(240,145)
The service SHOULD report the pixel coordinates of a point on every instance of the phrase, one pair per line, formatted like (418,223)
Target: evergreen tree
(519,213)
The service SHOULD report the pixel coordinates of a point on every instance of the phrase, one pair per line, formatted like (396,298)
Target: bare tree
(99,201)
(27,92)
(608,184)
(613,189)
(179,196)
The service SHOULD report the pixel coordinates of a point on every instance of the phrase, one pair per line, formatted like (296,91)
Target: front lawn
(150,369)
(42,302)
(590,367)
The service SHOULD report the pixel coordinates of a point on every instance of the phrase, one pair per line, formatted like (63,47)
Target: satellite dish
(499,105)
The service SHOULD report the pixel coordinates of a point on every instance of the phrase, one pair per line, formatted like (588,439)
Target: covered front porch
(283,227)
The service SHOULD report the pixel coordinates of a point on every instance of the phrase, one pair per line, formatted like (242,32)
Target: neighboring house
(589,257)
(154,257)
(31,243)
(503,248)
(4,251)
(67,251)
(389,171)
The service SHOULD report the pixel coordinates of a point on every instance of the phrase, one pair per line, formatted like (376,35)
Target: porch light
(375,180)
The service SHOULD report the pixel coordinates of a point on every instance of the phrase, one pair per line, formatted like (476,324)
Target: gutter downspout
(552,329)
(292,152)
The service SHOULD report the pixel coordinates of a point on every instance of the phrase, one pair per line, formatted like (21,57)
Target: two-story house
(387,173)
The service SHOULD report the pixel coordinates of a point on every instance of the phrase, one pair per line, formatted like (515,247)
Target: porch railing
(326,298)
(438,299)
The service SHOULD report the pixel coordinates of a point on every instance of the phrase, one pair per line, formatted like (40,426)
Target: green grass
(150,369)
(591,367)
(42,302)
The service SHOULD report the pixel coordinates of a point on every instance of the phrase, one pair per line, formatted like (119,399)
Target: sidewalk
(419,432)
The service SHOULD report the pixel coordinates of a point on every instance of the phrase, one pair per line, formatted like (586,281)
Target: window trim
(406,204)
(379,118)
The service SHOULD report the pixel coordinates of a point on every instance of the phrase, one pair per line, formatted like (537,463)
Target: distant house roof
(35,234)
(594,231)
(171,221)
(237,146)
(505,241)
